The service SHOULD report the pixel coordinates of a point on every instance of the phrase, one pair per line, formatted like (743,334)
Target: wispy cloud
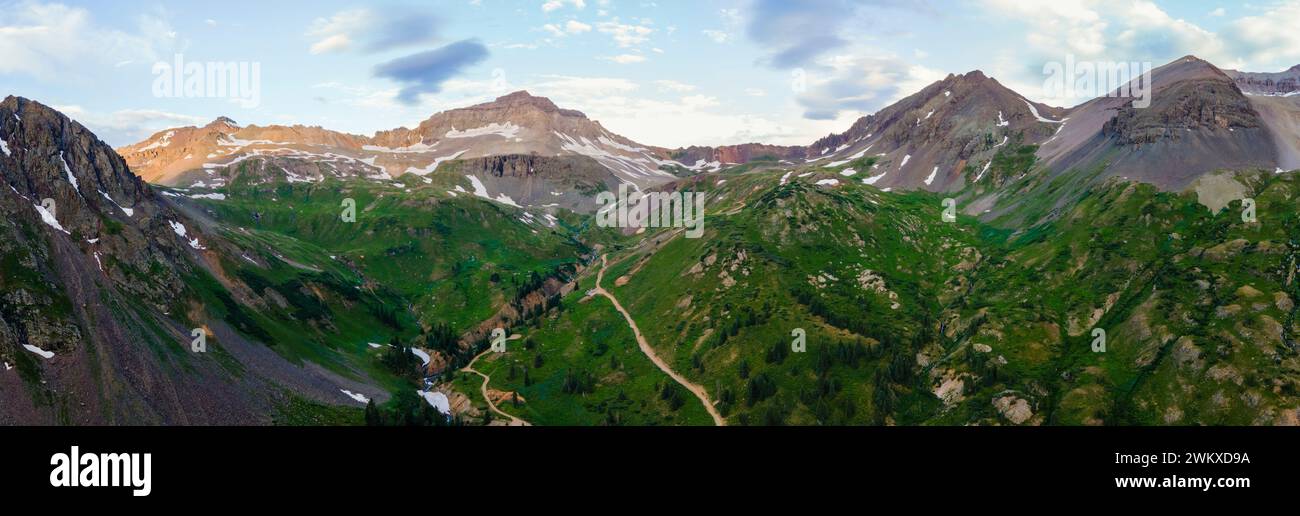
(551,5)
(626,35)
(127,126)
(371,30)
(625,58)
(54,41)
(425,72)
(798,32)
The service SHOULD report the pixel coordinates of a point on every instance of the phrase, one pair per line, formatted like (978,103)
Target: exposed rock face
(1210,104)
(739,154)
(566,181)
(1014,408)
(99,301)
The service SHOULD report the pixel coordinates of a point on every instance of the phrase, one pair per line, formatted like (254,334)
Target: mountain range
(1071,219)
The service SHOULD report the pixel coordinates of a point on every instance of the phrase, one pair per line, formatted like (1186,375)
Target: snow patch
(905,160)
(930,179)
(179,229)
(508,130)
(481,191)
(416,148)
(361,398)
(71,178)
(1039,117)
(872,180)
(433,166)
(162,142)
(424,357)
(49,219)
(438,401)
(130,212)
(828,182)
(44,354)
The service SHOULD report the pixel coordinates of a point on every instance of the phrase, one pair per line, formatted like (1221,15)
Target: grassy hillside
(908,318)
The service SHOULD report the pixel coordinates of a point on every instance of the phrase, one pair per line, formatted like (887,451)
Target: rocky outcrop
(1265,83)
(1213,103)
(739,154)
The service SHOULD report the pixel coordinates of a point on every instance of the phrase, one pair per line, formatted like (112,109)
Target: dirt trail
(514,421)
(698,391)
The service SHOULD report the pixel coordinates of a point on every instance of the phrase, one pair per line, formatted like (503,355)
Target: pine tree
(373,417)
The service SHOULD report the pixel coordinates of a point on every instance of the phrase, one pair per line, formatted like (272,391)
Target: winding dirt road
(698,391)
(514,421)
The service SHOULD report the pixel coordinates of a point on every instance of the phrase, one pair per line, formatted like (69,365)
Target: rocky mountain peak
(56,157)
(223,121)
(524,99)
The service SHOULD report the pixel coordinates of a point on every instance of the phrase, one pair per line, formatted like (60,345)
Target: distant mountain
(946,137)
(715,158)
(186,155)
(521,146)
(935,138)
(1285,83)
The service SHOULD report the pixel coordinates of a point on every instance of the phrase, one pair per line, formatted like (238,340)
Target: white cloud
(625,58)
(128,126)
(717,36)
(674,86)
(731,22)
(552,5)
(372,31)
(861,83)
(1135,31)
(1114,30)
(1270,41)
(625,35)
(1219,12)
(331,43)
(680,122)
(54,41)
(576,27)
(570,27)
(335,33)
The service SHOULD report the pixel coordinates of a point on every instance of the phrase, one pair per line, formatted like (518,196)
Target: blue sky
(663,72)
